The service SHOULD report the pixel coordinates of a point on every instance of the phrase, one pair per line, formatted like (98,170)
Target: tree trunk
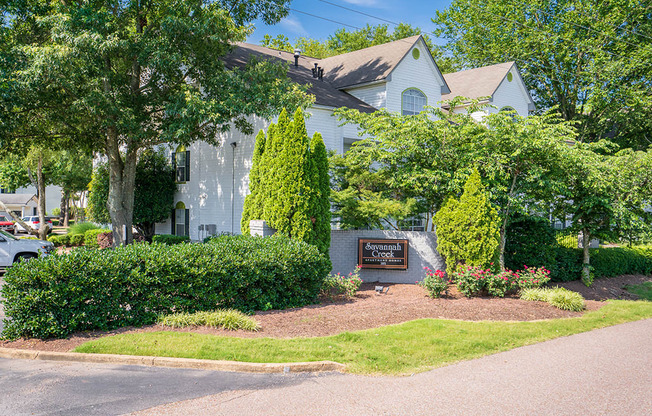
(40,181)
(586,259)
(503,229)
(122,178)
(63,208)
(147,229)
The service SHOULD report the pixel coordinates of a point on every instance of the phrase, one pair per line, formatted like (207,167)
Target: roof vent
(320,73)
(297,54)
(315,71)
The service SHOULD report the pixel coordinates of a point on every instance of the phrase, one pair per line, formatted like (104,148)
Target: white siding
(414,73)
(512,94)
(374,95)
(213,169)
(52,196)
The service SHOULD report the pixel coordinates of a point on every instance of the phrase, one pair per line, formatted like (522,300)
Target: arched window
(507,109)
(180,219)
(182,164)
(413,102)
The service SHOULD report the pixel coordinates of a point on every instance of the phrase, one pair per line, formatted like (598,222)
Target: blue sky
(415,12)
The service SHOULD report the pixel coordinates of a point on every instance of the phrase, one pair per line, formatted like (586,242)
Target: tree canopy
(118,77)
(589,59)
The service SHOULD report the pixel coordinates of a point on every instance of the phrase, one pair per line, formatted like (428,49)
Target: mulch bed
(368,309)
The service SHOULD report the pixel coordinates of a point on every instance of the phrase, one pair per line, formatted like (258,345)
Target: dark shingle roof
(325,93)
(366,65)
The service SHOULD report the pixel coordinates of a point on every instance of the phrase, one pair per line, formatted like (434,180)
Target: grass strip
(406,348)
(643,291)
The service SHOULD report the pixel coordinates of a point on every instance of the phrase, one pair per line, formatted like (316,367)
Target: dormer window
(413,102)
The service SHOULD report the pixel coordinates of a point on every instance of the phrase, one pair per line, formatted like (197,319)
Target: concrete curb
(215,365)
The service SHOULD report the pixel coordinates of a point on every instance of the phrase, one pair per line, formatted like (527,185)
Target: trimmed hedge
(105,289)
(605,262)
(170,239)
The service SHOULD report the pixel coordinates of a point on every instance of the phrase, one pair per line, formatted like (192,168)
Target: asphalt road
(55,388)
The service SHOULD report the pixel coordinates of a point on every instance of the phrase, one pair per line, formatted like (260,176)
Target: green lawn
(396,349)
(644,290)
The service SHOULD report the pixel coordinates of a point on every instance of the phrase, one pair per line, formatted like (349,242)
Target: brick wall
(422,253)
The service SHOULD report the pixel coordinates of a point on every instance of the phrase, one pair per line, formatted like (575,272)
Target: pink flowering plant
(471,280)
(339,286)
(532,277)
(435,282)
(476,281)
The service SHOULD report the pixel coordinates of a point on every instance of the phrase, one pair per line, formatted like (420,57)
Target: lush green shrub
(531,277)
(81,228)
(223,318)
(566,238)
(90,237)
(170,239)
(435,283)
(467,229)
(77,240)
(59,240)
(218,235)
(337,286)
(531,241)
(501,283)
(558,297)
(134,284)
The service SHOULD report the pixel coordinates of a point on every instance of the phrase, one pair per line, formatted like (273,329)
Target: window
(412,224)
(510,110)
(413,102)
(180,219)
(181,161)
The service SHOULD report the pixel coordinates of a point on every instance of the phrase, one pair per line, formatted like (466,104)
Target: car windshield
(3,219)
(7,235)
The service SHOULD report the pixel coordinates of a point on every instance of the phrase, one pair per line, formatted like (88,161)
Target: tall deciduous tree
(155,188)
(118,77)
(589,58)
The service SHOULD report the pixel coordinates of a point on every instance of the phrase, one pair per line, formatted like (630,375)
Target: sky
(297,24)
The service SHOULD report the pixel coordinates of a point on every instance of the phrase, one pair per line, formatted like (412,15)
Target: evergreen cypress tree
(287,211)
(320,202)
(468,229)
(289,182)
(253,204)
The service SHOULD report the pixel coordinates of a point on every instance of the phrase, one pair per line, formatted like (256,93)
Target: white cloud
(293,24)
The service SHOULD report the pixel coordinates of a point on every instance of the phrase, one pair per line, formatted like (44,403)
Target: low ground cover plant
(338,286)
(230,319)
(132,285)
(476,281)
(435,283)
(558,297)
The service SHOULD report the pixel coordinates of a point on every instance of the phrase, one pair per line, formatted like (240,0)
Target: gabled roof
(325,93)
(16,199)
(477,82)
(366,65)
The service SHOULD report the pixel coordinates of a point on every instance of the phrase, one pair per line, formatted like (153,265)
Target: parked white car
(13,249)
(33,222)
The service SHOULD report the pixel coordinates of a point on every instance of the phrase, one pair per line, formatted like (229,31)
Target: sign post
(383,254)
